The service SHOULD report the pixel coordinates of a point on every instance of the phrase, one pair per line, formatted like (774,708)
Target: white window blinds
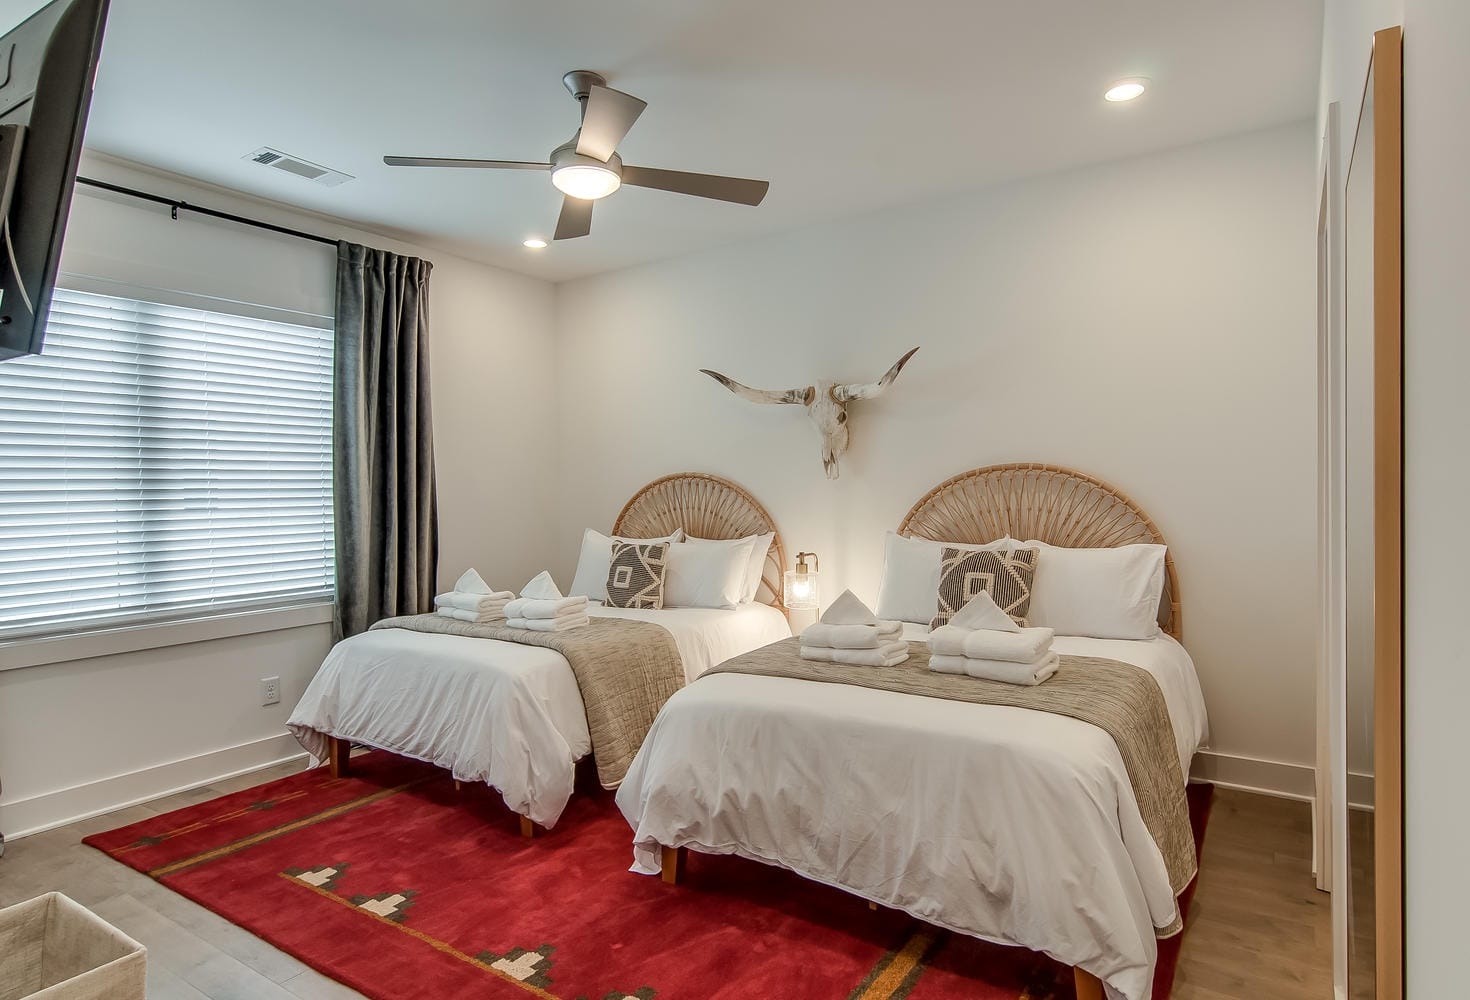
(158,462)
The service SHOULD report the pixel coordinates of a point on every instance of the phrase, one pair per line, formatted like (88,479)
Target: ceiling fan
(587,166)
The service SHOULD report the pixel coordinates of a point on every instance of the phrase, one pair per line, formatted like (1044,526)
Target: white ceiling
(844,105)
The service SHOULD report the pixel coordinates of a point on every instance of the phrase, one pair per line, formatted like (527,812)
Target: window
(159,462)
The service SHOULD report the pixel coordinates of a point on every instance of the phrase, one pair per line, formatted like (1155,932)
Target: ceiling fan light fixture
(534,243)
(588,181)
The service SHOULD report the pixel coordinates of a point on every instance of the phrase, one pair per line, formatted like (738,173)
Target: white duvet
(1012,825)
(498,712)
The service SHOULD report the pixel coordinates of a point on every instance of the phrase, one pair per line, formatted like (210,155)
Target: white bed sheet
(1011,825)
(498,712)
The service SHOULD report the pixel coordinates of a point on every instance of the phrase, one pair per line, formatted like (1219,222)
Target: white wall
(81,736)
(1148,321)
(1436,482)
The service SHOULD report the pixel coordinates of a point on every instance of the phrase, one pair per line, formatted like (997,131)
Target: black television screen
(47,65)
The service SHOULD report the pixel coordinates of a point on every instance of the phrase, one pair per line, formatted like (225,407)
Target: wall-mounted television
(47,65)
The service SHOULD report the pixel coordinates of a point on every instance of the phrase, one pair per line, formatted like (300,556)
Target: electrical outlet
(270,690)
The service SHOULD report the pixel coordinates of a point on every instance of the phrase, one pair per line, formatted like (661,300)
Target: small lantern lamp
(802,589)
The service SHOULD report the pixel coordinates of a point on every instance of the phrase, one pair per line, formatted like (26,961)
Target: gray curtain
(387,521)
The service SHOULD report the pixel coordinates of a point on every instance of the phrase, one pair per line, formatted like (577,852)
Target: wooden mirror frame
(1386,78)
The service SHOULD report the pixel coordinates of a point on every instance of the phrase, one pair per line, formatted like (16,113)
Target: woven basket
(54,949)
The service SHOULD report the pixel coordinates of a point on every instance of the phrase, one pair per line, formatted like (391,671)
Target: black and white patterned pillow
(1004,574)
(635,576)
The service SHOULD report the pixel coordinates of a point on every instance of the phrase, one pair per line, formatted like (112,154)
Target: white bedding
(498,712)
(1012,825)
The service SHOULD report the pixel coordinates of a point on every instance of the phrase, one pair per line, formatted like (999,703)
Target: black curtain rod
(183,206)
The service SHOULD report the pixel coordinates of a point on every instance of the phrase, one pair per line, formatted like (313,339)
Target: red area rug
(395,884)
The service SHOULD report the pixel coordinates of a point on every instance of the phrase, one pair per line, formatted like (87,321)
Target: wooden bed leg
(872,905)
(458,785)
(528,828)
(339,752)
(1089,987)
(673,861)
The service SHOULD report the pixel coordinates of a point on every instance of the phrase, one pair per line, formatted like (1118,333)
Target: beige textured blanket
(1122,700)
(625,669)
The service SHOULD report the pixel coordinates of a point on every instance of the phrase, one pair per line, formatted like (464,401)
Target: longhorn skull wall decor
(825,402)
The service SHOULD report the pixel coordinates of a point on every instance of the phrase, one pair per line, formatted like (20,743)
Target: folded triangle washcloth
(849,610)
(981,611)
(472,583)
(542,587)
(1005,671)
(889,654)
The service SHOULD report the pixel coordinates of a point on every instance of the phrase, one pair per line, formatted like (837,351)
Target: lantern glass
(803,590)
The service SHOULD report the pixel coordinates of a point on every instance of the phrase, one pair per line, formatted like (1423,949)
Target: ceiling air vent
(314,172)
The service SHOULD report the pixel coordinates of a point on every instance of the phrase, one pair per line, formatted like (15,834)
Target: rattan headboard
(705,506)
(1043,502)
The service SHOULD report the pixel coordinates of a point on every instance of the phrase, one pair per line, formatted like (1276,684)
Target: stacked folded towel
(850,633)
(472,600)
(542,608)
(983,641)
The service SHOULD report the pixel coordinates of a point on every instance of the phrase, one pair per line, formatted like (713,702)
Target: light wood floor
(1259,929)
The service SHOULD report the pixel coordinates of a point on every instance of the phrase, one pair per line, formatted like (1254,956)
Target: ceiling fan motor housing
(579,83)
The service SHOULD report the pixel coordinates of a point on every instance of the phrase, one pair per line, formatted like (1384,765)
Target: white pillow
(761,545)
(706,576)
(909,591)
(1103,593)
(590,580)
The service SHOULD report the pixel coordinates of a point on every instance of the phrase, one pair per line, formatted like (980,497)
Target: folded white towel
(542,587)
(1005,671)
(494,617)
(982,612)
(472,583)
(532,607)
(848,610)
(851,636)
(549,624)
(1022,646)
(474,602)
(887,655)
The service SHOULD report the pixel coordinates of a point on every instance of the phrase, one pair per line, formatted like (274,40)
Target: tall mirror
(1373,481)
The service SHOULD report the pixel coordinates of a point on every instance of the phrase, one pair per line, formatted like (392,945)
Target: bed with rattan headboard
(1026,501)
(1045,503)
(705,506)
(356,696)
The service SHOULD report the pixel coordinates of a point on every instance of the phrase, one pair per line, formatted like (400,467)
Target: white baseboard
(1252,774)
(38,813)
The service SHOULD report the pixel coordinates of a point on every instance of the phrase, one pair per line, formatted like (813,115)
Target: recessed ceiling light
(1126,90)
(535,243)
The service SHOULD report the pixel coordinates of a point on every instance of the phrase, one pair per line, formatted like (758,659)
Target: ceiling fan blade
(575,220)
(736,189)
(605,120)
(450,161)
